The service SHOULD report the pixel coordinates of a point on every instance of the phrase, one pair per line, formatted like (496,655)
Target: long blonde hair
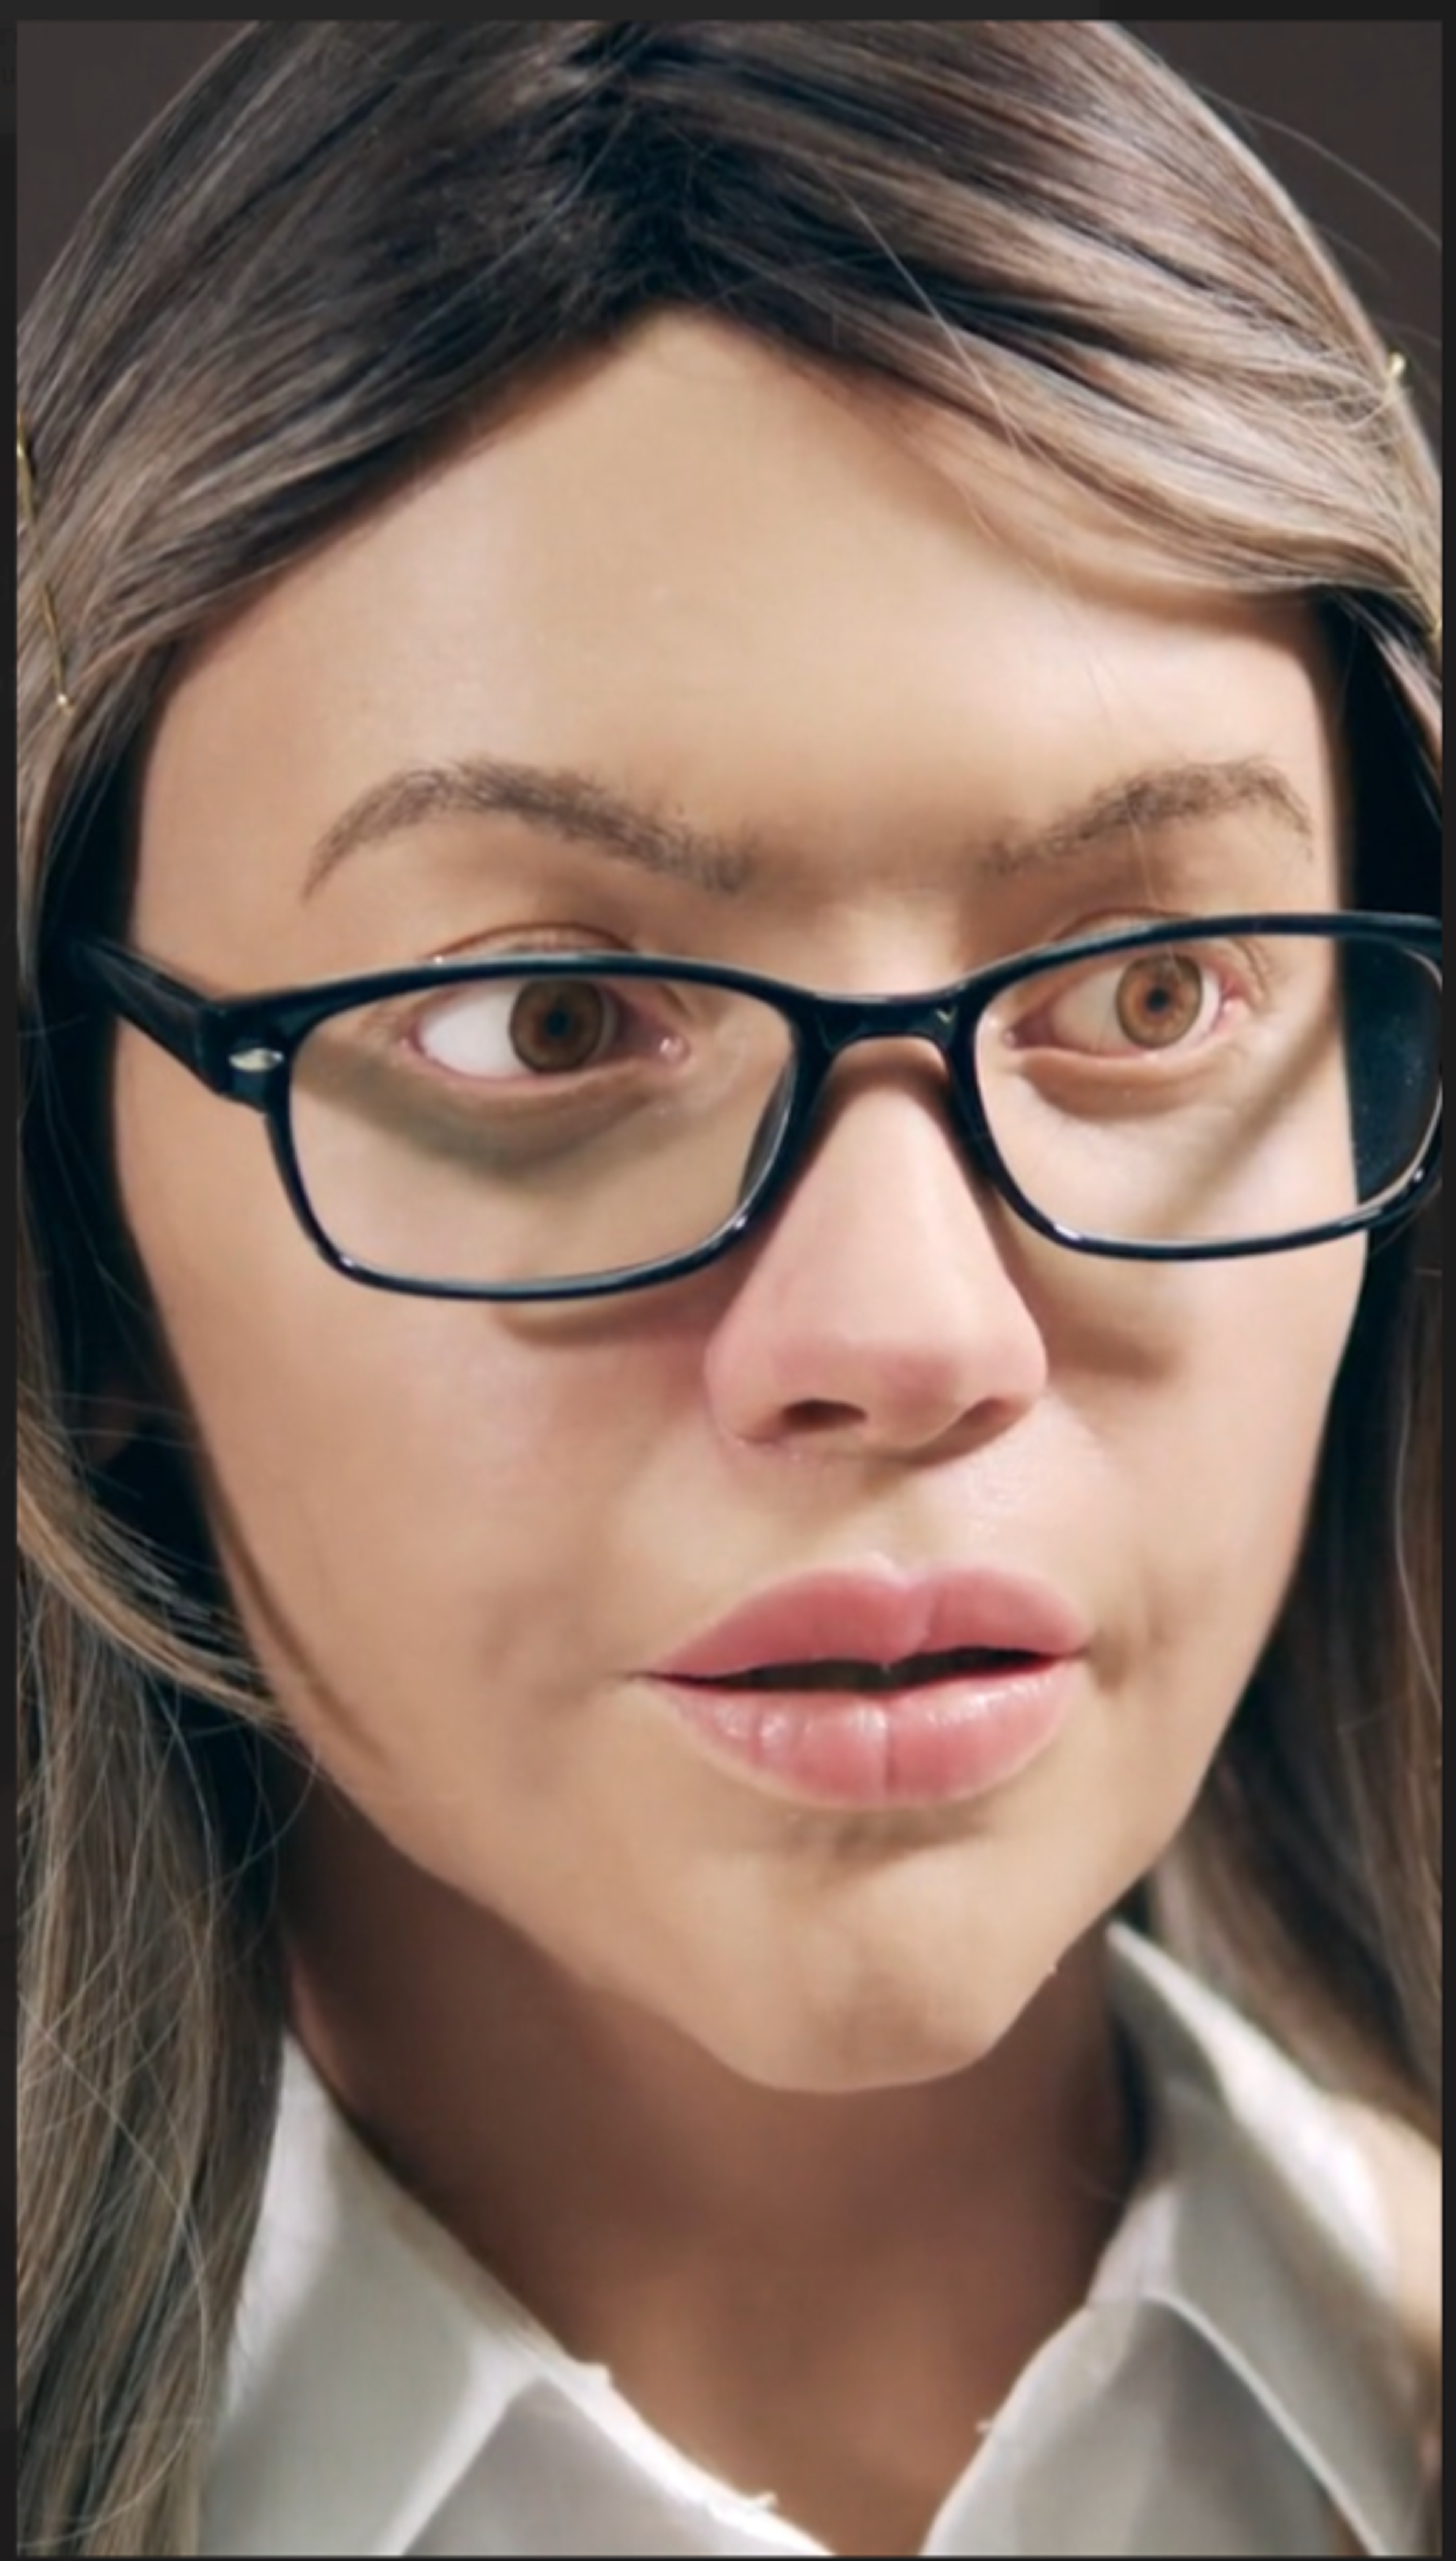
(341,242)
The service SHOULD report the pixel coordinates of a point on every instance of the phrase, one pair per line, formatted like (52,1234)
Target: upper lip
(881,1616)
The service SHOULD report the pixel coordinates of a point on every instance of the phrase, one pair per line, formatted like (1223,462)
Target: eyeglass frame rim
(209,1036)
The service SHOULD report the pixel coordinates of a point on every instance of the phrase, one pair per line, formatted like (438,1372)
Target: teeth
(914,1669)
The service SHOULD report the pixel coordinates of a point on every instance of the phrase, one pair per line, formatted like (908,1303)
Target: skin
(810,2126)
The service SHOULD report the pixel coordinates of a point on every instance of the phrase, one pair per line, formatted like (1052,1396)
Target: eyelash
(1043,1000)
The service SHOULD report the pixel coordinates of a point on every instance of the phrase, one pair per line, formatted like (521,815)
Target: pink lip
(953,1737)
(882,1617)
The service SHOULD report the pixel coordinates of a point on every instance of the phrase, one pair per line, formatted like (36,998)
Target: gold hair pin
(30,513)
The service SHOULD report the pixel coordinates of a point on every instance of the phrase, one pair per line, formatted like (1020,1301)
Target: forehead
(737,586)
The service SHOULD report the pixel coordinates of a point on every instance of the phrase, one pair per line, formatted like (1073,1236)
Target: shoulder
(1315,2231)
(1406,2175)
(1405,2172)
(1347,2169)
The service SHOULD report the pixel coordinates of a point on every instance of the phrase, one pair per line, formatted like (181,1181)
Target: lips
(877,1628)
(874,1680)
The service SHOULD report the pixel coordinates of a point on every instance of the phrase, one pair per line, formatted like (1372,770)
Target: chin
(847,2059)
(882,2031)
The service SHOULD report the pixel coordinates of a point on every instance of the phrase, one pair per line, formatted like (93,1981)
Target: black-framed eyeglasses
(545,1124)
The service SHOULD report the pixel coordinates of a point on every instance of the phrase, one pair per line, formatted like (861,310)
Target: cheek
(400,1490)
(1201,1389)
(1203,1427)
(1233,1452)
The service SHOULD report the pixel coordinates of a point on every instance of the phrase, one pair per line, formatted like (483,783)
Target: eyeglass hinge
(251,1070)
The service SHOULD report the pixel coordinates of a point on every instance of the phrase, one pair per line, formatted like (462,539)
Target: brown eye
(1159,999)
(1138,1006)
(557,1027)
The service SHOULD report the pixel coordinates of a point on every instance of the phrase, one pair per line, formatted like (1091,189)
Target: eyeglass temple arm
(171,1014)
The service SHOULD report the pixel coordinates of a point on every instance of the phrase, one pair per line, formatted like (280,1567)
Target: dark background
(1349,114)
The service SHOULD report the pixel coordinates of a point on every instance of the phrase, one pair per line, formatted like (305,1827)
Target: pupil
(1158,1001)
(555,1028)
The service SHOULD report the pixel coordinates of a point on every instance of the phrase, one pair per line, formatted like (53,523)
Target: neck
(725,2250)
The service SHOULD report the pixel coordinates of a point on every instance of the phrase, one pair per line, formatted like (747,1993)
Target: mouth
(843,1732)
(875,1687)
(914,1671)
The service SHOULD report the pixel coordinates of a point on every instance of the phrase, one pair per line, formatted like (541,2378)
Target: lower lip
(911,1747)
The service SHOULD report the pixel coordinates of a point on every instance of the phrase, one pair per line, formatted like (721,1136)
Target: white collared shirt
(1230,2378)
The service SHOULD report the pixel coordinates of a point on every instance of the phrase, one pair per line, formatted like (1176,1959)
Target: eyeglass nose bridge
(831,1026)
(846,1022)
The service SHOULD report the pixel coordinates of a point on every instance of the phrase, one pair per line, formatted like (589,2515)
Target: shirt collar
(374,2360)
(1259,2224)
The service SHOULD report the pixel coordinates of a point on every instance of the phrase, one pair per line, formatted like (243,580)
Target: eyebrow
(560,801)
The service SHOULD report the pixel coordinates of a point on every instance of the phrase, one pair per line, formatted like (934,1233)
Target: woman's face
(943,719)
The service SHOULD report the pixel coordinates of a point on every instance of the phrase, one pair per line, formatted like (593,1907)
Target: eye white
(471,1035)
(1090,1017)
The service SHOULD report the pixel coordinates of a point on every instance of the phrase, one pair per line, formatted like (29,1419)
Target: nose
(876,1310)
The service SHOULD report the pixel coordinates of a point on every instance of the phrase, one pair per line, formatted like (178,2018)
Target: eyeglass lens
(545,1128)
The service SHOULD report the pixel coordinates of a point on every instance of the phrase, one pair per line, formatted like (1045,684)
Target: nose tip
(877,1306)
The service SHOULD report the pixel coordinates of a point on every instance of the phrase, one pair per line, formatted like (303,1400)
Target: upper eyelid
(1158,873)
(1200,924)
(1045,985)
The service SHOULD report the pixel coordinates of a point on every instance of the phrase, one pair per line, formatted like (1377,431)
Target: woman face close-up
(933,713)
